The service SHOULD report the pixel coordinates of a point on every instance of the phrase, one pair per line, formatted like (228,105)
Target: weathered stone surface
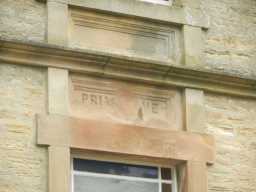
(231,39)
(57,24)
(128,103)
(232,121)
(123,139)
(124,36)
(23,165)
(22,19)
(230,47)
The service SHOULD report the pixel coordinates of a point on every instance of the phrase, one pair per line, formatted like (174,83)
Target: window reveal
(98,176)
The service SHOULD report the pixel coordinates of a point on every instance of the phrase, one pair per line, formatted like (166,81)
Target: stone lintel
(56,130)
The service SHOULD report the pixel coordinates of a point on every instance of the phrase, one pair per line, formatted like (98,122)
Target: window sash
(121,177)
(159,180)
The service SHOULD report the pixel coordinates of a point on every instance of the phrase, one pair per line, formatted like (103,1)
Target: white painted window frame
(162,2)
(159,180)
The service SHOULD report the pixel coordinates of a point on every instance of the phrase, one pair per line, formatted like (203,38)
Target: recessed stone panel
(110,100)
(123,35)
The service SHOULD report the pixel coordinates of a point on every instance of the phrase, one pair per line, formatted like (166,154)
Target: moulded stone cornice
(123,67)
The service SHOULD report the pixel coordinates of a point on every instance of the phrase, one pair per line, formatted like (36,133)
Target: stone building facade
(71,68)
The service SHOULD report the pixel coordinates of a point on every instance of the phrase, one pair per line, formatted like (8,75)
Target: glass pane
(166,173)
(115,168)
(95,184)
(166,187)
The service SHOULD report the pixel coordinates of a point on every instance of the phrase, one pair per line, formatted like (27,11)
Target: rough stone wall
(231,41)
(22,19)
(23,165)
(232,121)
(230,47)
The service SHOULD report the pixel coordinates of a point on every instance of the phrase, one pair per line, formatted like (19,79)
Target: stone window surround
(184,13)
(65,135)
(62,61)
(193,171)
(180,15)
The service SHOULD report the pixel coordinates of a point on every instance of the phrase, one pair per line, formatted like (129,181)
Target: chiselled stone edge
(130,68)
(177,14)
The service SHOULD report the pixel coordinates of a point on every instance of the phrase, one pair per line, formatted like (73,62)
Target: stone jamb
(58,91)
(193,45)
(194,172)
(59,156)
(194,110)
(57,22)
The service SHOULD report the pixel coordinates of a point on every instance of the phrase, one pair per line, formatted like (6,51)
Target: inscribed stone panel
(110,100)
